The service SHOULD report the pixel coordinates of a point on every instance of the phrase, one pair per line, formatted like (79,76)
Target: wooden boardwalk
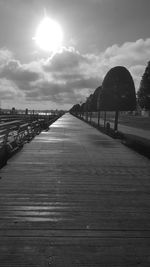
(75,197)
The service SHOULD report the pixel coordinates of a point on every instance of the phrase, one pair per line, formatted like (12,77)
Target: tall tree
(94,99)
(82,109)
(118,92)
(144,89)
(75,109)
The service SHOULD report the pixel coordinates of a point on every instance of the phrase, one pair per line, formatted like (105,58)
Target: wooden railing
(18,131)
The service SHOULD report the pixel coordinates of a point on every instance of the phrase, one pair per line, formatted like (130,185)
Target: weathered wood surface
(75,197)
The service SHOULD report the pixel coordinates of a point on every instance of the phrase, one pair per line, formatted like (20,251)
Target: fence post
(104,119)
(99,114)
(116,121)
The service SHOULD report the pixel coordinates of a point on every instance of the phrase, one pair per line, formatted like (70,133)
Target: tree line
(117,93)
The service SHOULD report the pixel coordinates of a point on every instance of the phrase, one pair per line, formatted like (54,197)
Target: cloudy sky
(97,35)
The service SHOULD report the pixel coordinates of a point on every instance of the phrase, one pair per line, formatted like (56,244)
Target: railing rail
(15,133)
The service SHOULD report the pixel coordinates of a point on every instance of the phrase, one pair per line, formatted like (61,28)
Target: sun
(49,35)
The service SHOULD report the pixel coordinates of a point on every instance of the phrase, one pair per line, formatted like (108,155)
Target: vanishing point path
(75,197)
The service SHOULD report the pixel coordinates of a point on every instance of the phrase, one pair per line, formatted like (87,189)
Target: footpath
(75,197)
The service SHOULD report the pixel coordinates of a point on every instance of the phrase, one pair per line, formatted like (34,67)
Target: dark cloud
(66,60)
(59,92)
(72,76)
(14,71)
(84,83)
(8,90)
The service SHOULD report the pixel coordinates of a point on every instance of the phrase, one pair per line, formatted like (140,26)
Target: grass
(135,121)
(127,120)
(137,143)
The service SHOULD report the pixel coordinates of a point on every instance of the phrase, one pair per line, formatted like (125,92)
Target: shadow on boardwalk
(75,197)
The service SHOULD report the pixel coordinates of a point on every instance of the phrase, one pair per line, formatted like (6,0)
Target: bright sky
(97,35)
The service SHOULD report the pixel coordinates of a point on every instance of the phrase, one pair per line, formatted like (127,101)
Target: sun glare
(49,35)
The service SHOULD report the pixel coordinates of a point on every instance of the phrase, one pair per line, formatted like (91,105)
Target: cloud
(60,92)
(65,60)
(9,90)
(129,54)
(18,73)
(5,55)
(68,77)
